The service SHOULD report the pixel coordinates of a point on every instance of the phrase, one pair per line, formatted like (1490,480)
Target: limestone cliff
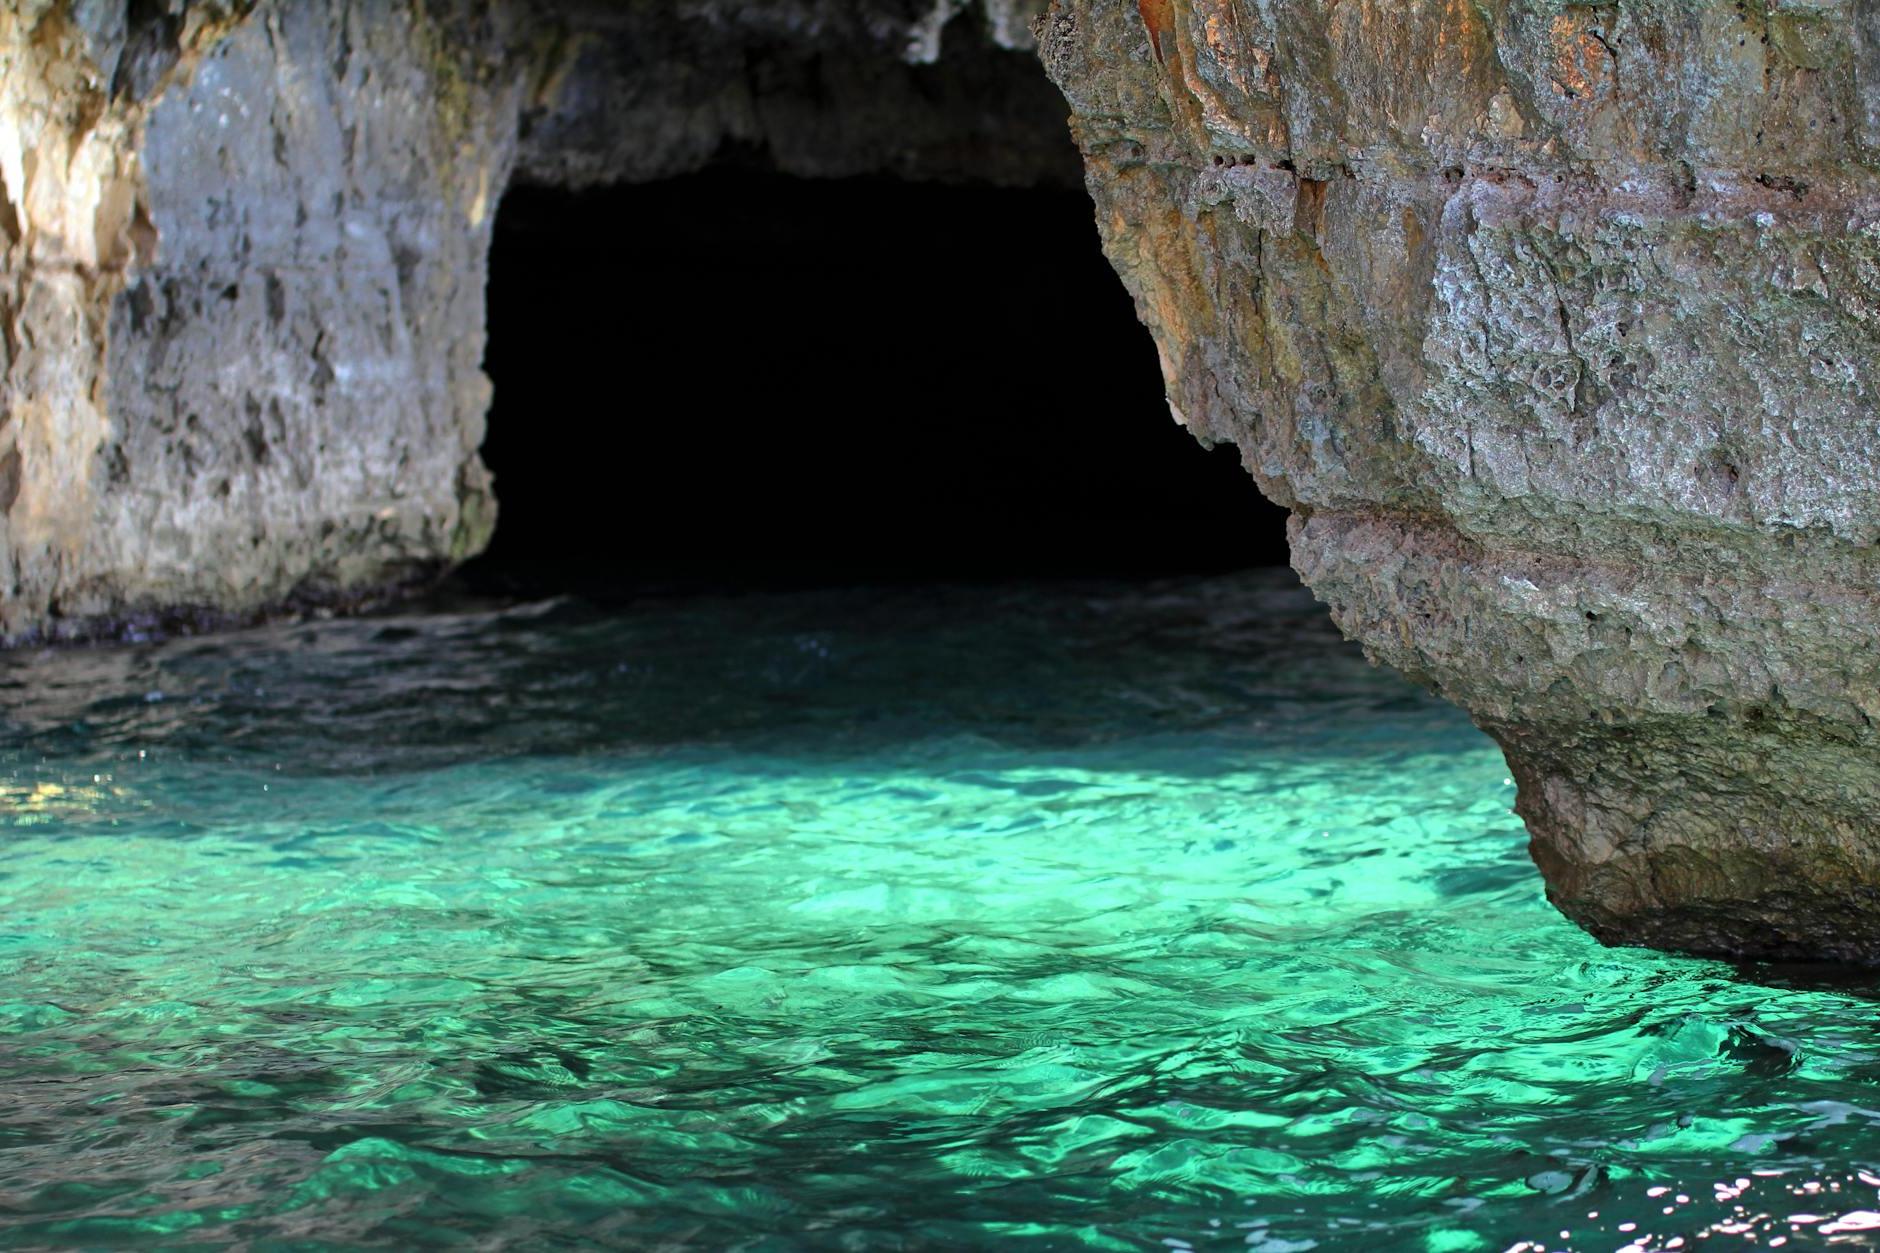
(1555,325)
(244,305)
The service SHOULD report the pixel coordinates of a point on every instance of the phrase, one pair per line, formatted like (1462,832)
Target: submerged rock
(1555,326)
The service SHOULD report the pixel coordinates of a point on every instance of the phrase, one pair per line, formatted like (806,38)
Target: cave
(659,624)
(742,380)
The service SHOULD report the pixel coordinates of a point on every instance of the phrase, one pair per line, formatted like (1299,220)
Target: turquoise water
(1097,916)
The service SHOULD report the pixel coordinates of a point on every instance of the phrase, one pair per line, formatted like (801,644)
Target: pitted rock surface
(1555,326)
(245,248)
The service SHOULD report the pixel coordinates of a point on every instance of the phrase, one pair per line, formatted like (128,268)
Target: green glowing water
(1094,917)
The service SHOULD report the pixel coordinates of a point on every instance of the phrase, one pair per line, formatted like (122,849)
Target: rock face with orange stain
(243,248)
(1557,327)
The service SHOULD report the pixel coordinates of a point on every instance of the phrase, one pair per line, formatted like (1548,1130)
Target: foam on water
(1102,916)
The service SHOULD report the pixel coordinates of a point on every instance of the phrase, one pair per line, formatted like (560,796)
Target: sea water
(1108,916)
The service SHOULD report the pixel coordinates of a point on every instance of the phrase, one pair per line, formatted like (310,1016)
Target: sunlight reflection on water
(1107,916)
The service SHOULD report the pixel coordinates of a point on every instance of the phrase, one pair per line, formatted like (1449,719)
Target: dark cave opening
(740,379)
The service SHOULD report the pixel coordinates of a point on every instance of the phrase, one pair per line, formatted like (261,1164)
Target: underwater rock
(1555,327)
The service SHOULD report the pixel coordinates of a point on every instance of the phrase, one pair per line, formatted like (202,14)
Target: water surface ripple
(1093,916)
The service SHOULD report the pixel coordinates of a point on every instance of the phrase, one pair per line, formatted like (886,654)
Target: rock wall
(817,88)
(1555,326)
(74,82)
(293,379)
(247,272)
(245,247)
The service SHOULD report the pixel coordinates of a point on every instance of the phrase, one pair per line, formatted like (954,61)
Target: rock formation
(1552,323)
(1555,326)
(245,250)
(245,258)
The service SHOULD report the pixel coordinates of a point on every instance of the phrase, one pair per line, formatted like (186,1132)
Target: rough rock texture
(1555,325)
(293,377)
(74,83)
(248,267)
(245,247)
(820,88)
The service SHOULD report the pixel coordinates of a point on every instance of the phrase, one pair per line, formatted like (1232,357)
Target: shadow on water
(1827,977)
(1064,667)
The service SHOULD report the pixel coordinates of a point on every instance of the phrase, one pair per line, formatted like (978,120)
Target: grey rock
(1555,327)
(243,304)
(819,89)
(293,381)
(245,249)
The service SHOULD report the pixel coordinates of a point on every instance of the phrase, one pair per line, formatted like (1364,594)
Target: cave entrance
(741,379)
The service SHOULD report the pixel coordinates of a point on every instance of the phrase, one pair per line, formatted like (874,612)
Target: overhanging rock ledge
(1555,326)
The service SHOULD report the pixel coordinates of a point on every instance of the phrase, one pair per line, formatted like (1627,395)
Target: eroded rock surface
(245,247)
(919,89)
(1555,325)
(246,308)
